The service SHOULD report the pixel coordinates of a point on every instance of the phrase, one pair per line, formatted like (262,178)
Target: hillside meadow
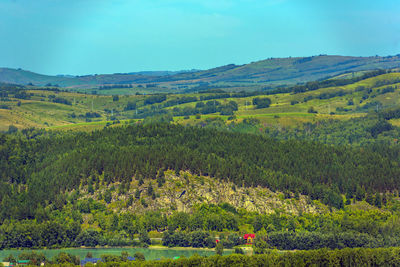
(42,108)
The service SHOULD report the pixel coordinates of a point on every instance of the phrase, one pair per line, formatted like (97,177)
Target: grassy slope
(23,77)
(255,75)
(40,112)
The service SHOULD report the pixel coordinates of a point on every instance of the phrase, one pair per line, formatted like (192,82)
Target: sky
(80,37)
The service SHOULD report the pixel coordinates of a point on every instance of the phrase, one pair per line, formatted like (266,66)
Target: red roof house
(249,238)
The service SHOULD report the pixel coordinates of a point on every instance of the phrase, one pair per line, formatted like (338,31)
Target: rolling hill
(26,107)
(253,76)
(110,170)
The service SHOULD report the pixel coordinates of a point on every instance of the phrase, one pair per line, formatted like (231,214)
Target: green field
(286,109)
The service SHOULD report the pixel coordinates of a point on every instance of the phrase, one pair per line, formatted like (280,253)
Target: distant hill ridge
(269,72)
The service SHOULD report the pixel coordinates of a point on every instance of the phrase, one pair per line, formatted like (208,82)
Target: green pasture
(286,109)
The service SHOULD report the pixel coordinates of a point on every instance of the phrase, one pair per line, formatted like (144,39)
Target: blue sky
(107,36)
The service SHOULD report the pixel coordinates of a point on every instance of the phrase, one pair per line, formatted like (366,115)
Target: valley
(199,133)
(304,167)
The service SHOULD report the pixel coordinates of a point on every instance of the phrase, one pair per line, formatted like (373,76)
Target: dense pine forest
(37,166)
(49,180)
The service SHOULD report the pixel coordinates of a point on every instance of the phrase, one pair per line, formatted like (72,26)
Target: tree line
(50,162)
(320,257)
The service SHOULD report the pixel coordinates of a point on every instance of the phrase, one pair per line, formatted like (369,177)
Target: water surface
(149,253)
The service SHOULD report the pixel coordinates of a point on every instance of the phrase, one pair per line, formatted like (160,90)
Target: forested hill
(253,76)
(38,167)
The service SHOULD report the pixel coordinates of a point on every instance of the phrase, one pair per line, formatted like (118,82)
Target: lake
(149,253)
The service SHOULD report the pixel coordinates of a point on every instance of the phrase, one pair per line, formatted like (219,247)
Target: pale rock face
(183,192)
